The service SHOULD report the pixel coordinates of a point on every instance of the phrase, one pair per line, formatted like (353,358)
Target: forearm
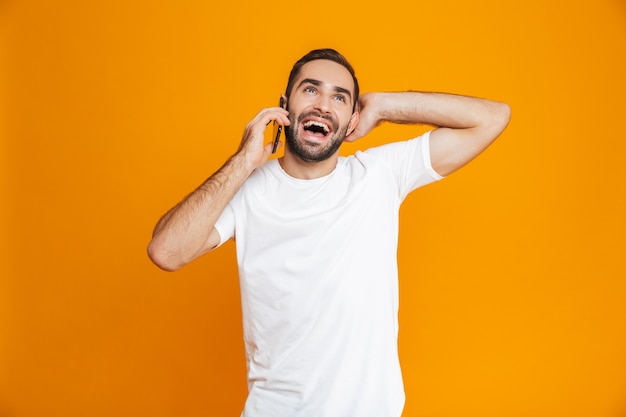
(184,232)
(438,109)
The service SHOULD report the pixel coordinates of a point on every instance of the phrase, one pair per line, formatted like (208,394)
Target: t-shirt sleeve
(225,225)
(410,163)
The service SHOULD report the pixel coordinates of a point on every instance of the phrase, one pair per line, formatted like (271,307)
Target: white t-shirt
(319,283)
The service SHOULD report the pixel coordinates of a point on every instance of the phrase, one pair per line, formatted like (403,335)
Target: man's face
(320,110)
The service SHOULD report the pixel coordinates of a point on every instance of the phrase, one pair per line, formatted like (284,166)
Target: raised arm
(466,125)
(187,231)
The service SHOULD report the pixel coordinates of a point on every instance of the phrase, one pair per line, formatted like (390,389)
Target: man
(316,235)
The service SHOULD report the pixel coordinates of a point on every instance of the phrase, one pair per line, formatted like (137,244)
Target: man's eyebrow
(317,83)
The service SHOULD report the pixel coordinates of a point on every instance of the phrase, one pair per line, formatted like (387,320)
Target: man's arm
(466,125)
(187,231)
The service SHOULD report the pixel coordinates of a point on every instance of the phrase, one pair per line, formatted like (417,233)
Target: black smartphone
(278,128)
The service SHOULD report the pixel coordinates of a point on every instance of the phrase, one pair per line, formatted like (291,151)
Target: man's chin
(314,152)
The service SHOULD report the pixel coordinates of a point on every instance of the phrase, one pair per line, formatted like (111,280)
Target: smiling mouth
(316,127)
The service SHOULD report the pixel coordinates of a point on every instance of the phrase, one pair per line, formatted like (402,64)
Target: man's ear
(354,121)
(283,101)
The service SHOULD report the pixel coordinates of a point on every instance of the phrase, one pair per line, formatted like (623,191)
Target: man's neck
(305,170)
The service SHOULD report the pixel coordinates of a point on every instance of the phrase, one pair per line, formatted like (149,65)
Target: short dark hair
(329,54)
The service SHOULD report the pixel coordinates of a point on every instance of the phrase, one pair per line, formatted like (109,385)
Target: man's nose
(322,103)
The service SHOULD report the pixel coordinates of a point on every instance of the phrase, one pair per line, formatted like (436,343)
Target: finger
(275,114)
(272,114)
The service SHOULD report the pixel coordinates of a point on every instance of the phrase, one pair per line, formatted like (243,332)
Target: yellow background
(513,284)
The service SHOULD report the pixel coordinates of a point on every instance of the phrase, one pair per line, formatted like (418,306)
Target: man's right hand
(253,150)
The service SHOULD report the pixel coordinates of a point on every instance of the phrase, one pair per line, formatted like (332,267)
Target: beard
(314,151)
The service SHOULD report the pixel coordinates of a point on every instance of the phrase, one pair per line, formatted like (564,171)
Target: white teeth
(318,124)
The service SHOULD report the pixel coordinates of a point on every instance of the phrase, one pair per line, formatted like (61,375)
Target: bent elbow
(162,258)
(503,116)
(496,122)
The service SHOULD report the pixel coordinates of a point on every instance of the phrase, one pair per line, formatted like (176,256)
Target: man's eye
(340,98)
(309,89)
